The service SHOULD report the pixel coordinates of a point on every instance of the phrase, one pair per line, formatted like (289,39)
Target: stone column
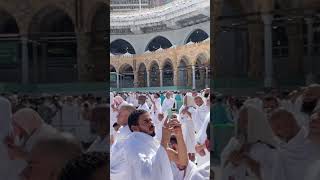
(309,67)
(255,37)
(43,63)
(83,56)
(268,76)
(193,77)
(35,62)
(161,77)
(136,79)
(148,78)
(25,60)
(118,80)
(175,76)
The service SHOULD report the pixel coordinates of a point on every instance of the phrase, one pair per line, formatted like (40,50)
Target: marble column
(309,64)
(35,68)
(193,77)
(148,78)
(43,63)
(118,80)
(268,76)
(25,60)
(161,77)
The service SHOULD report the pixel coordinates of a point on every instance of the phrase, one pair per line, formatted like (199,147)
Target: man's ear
(135,128)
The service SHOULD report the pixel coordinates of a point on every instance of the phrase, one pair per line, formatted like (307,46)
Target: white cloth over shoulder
(167,104)
(199,115)
(122,135)
(293,159)
(183,174)
(201,173)
(259,134)
(144,107)
(143,159)
(188,131)
(99,145)
(202,135)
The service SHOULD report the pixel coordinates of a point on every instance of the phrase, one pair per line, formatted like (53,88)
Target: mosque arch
(198,35)
(154,74)
(121,46)
(168,73)
(126,76)
(53,34)
(157,43)
(142,75)
(10,64)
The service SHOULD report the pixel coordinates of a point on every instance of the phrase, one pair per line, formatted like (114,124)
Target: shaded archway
(10,60)
(154,75)
(183,70)
(196,36)
(99,35)
(157,43)
(280,39)
(200,71)
(142,76)
(54,46)
(167,73)
(120,46)
(113,77)
(126,76)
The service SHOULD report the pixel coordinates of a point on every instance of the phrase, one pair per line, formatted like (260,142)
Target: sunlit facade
(167,45)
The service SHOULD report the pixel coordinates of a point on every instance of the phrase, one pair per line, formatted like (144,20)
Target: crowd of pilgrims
(160,136)
(277,135)
(53,137)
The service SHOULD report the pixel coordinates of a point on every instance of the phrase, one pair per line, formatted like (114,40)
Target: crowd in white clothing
(276,138)
(33,149)
(160,139)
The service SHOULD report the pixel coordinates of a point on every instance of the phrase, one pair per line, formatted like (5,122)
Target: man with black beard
(310,99)
(144,157)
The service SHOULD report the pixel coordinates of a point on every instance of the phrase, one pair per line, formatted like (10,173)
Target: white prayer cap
(189,94)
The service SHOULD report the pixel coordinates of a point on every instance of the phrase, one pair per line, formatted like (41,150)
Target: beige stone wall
(187,53)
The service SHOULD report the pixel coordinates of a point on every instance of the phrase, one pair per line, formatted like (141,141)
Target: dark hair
(157,94)
(134,117)
(269,98)
(115,124)
(84,166)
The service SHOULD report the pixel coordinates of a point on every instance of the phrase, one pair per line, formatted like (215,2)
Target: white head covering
(28,119)
(189,99)
(258,127)
(255,102)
